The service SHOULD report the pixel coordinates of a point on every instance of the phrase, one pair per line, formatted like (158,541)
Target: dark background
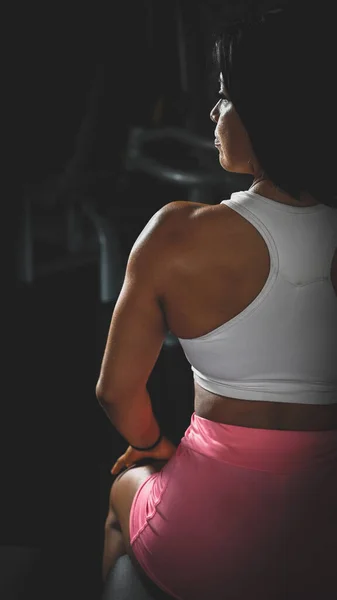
(81,78)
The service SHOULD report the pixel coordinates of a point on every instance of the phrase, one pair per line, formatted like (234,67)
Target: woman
(245,507)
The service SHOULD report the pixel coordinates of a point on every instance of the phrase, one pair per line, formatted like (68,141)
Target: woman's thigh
(124,489)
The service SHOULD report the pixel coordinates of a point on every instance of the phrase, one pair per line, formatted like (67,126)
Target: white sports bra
(283,346)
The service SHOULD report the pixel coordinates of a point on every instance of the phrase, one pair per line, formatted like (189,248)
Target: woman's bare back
(220,264)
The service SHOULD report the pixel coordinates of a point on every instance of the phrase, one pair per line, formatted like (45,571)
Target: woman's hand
(163,451)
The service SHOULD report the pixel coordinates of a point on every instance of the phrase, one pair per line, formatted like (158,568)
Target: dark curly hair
(278,68)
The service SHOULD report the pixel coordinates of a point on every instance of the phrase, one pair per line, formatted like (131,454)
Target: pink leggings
(241,514)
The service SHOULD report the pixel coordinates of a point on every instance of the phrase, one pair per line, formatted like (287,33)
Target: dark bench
(124,583)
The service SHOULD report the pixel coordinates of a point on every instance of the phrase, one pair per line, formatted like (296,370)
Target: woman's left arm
(136,335)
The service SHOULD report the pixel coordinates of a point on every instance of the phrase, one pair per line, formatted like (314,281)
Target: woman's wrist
(145,449)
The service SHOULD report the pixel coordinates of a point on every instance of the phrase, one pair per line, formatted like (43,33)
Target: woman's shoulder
(196,234)
(187,218)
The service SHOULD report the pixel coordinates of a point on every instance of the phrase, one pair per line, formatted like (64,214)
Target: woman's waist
(263,414)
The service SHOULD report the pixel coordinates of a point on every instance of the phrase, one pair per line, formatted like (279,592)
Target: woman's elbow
(102,394)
